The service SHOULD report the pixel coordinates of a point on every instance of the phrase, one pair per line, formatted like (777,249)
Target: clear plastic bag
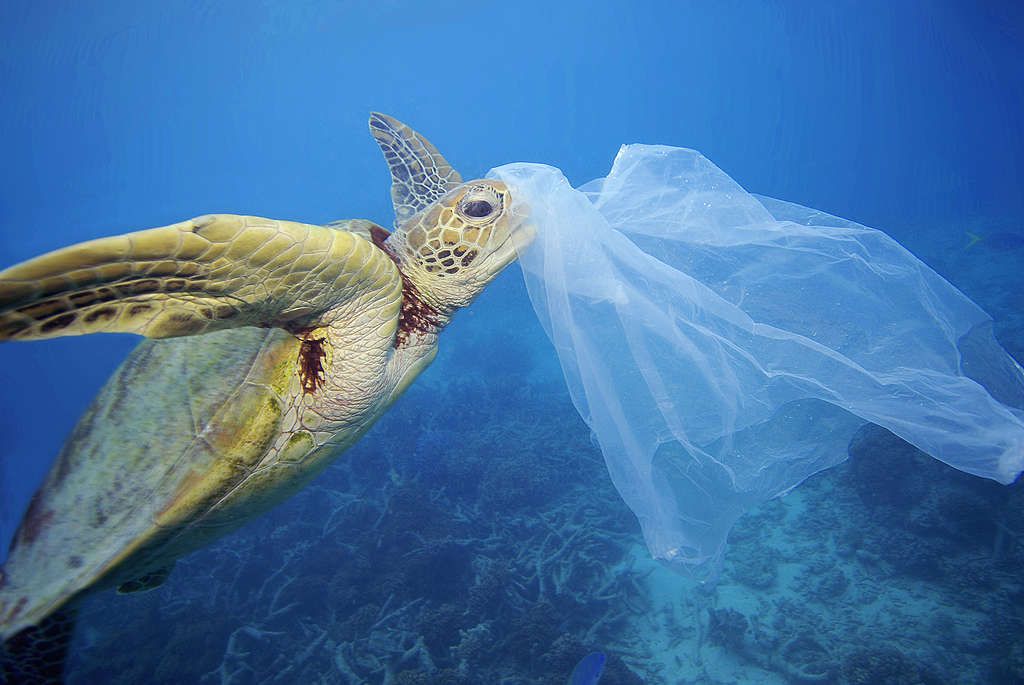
(723,347)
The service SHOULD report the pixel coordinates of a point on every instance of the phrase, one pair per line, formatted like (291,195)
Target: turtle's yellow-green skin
(308,334)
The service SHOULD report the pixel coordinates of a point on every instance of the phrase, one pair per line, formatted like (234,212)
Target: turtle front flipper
(206,274)
(419,173)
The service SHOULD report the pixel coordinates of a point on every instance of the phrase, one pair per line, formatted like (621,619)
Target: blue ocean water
(473,535)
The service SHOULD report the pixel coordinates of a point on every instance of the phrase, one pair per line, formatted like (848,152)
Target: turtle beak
(523,231)
(516,232)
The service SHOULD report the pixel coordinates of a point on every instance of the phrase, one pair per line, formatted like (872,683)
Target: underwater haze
(474,535)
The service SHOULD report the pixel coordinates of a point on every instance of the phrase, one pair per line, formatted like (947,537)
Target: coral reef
(728,628)
(884,665)
(805,660)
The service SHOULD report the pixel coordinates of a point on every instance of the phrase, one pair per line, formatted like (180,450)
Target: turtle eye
(480,204)
(478,209)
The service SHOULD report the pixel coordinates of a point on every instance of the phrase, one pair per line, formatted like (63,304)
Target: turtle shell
(179,425)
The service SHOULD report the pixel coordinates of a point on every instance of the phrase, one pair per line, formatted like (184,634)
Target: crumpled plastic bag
(723,347)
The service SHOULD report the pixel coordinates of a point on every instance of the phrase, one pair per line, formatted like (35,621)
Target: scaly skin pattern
(419,174)
(192,436)
(206,274)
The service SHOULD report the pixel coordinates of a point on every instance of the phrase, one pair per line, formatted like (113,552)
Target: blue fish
(588,670)
(1002,241)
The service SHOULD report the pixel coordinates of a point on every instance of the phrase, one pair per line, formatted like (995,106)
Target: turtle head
(458,244)
(451,238)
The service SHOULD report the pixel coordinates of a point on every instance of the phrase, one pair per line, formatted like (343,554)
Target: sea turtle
(281,343)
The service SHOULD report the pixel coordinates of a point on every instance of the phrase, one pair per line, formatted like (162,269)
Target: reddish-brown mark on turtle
(416,316)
